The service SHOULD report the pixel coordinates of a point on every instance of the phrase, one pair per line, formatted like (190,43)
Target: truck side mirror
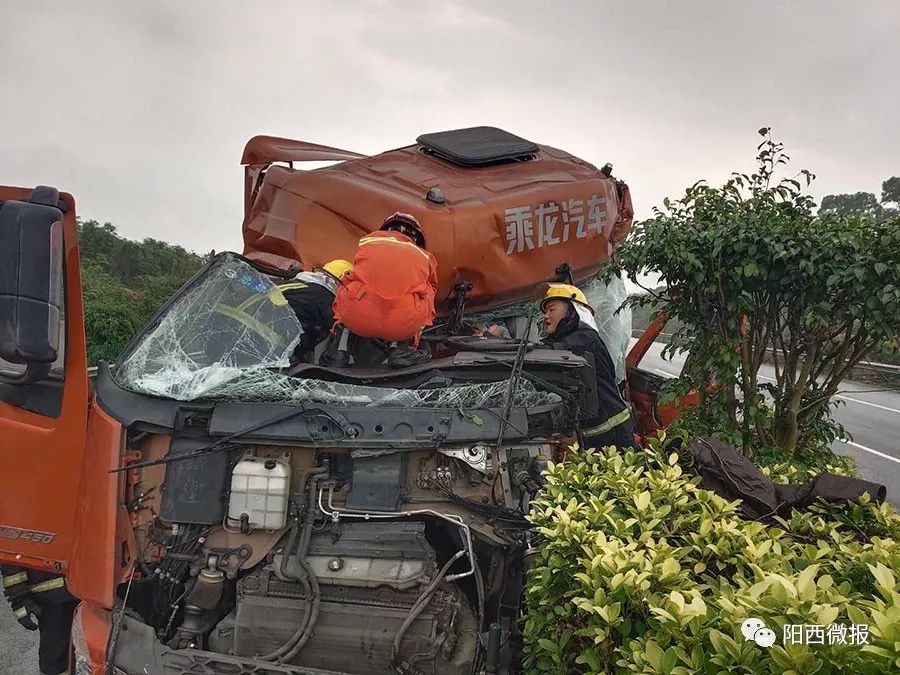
(31,283)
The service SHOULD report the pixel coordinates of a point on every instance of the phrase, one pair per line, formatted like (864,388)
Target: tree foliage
(866,203)
(642,571)
(890,191)
(751,270)
(124,283)
(857,204)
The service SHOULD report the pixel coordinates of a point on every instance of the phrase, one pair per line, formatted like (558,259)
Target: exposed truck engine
(381,586)
(319,520)
(374,589)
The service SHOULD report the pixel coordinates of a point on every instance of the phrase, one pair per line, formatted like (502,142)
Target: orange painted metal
(636,353)
(103,540)
(649,414)
(310,217)
(41,456)
(268,149)
(97,623)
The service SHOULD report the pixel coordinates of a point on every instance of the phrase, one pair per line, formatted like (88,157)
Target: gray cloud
(142,109)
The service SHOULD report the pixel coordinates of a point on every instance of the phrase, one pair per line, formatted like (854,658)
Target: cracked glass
(230,332)
(231,321)
(265,385)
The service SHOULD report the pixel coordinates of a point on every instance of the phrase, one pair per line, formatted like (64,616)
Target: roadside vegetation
(643,571)
(752,271)
(124,283)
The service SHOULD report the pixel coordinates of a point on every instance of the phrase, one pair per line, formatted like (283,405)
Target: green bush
(124,283)
(640,570)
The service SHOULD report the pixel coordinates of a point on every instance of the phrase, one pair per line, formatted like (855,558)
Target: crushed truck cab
(217,509)
(498,212)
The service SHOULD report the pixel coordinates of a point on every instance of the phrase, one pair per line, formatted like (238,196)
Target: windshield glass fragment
(264,385)
(229,334)
(231,321)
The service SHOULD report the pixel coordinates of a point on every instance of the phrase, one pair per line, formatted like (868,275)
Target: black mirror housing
(31,281)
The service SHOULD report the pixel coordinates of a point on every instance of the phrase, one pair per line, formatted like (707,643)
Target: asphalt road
(871,417)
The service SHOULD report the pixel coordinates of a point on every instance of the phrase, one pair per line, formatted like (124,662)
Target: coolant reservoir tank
(259,492)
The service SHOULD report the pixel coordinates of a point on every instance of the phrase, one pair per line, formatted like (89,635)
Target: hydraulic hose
(308,579)
(417,609)
(305,537)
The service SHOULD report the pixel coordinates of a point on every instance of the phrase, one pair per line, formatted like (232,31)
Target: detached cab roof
(498,211)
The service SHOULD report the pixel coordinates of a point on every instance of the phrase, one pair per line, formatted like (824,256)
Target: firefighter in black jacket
(311,296)
(40,601)
(569,324)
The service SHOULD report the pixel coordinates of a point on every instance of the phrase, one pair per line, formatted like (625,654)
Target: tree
(865,203)
(890,191)
(111,314)
(858,204)
(890,194)
(750,270)
(125,282)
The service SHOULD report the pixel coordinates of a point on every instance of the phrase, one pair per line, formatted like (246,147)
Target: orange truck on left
(59,506)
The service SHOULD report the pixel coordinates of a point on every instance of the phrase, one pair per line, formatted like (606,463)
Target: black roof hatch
(477,146)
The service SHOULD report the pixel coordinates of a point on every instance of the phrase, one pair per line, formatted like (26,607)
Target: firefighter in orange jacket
(389,295)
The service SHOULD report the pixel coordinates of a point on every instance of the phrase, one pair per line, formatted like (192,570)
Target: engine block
(369,579)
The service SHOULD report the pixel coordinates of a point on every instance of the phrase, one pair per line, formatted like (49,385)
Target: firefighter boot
(404,355)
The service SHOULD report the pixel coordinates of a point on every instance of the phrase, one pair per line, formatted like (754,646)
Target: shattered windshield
(231,321)
(228,336)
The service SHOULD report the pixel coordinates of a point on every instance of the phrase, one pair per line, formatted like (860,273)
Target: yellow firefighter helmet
(338,268)
(565,292)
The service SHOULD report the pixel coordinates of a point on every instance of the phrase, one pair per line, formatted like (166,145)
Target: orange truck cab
(218,510)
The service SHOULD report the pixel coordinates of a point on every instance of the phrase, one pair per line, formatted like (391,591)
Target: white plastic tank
(259,492)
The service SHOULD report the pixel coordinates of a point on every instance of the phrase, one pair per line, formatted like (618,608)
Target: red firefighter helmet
(407,224)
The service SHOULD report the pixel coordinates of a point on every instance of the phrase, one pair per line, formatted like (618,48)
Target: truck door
(644,387)
(43,377)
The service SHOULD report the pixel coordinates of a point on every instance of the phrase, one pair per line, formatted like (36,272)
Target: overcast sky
(141,109)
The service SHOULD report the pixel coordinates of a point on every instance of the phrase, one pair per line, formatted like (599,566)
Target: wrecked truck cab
(323,520)
(499,212)
(218,511)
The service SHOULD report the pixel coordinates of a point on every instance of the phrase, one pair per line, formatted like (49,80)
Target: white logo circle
(756,630)
(750,626)
(764,637)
